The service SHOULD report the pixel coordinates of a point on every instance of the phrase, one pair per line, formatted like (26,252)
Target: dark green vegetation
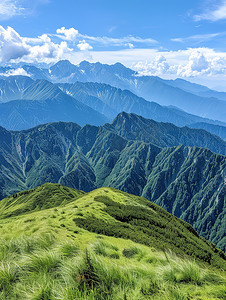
(146,223)
(187,181)
(137,128)
(214,129)
(70,250)
(40,198)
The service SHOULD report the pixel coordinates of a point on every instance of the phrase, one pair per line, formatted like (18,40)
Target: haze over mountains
(81,102)
(187,181)
(112,163)
(41,102)
(190,97)
(163,159)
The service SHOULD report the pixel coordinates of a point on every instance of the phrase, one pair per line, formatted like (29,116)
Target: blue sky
(168,38)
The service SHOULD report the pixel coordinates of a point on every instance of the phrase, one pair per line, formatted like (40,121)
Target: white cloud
(44,38)
(48,52)
(108,41)
(10,8)
(192,62)
(84,46)
(12,45)
(67,34)
(14,48)
(198,37)
(157,66)
(215,13)
(14,72)
(130,45)
(73,34)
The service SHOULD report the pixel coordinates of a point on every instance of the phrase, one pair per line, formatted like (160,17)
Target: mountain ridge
(57,242)
(102,98)
(49,196)
(151,88)
(177,178)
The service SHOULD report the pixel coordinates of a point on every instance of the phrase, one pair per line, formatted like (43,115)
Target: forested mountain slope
(187,181)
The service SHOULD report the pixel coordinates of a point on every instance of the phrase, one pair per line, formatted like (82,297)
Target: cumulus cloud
(84,46)
(14,48)
(215,13)
(12,45)
(197,64)
(202,62)
(48,52)
(184,63)
(67,34)
(157,66)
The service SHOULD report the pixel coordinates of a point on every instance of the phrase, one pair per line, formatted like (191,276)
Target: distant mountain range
(196,89)
(130,154)
(214,129)
(27,103)
(192,98)
(41,102)
(176,160)
(123,100)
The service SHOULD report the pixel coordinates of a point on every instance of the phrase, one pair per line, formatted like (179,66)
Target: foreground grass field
(52,247)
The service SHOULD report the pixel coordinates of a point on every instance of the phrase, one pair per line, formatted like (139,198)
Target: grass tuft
(43,261)
(69,249)
(133,251)
(8,275)
(190,272)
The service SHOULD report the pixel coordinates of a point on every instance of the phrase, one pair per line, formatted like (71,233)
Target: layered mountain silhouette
(83,103)
(105,98)
(214,129)
(131,154)
(193,99)
(12,87)
(196,89)
(42,102)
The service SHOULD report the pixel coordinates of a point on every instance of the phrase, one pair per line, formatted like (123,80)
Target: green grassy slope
(92,246)
(42,197)
(187,181)
(114,213)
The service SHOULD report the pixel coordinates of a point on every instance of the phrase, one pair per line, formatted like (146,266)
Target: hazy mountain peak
(63,62)
(41,90)
(85,63)
(62,68)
